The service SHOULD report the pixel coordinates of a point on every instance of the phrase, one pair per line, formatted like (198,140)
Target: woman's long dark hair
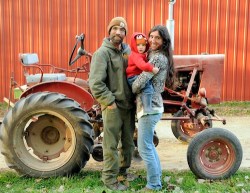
(166,49)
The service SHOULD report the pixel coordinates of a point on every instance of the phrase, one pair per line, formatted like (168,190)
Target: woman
(160,54)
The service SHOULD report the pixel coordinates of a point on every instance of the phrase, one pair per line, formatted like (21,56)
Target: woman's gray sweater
(159,60)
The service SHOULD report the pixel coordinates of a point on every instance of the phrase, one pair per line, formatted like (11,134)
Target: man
(109,86)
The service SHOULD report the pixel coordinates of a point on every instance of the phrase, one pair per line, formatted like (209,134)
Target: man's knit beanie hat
(118,21)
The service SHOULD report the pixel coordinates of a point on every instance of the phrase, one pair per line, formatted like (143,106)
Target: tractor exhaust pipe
(170,21)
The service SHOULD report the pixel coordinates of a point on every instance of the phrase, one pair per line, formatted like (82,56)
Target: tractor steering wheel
(80,51)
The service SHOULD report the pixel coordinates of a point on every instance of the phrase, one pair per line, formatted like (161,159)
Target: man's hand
(113,106)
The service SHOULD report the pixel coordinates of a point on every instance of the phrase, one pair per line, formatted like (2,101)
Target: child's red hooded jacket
(137,62)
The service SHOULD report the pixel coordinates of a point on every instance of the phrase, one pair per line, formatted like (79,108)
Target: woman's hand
(155,70)
(141,81)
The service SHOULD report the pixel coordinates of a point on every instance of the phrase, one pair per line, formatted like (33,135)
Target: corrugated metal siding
(48,27)
(220,26)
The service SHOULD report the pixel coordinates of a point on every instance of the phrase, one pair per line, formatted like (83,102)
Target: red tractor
(56,124)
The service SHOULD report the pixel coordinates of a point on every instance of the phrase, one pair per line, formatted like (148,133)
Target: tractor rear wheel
(185,130)
(46,134)
(214,154)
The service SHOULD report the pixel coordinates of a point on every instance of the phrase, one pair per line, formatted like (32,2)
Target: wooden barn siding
(49,27)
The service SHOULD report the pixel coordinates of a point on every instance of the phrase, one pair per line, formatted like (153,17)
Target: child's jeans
(147,93)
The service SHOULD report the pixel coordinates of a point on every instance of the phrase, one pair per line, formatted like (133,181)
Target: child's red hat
(140,39)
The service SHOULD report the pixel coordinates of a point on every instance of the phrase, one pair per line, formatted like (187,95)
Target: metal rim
(217,156)
(48,140)
(190,127)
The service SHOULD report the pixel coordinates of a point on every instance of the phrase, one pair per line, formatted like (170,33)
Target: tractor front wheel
(214,154)
(46,134)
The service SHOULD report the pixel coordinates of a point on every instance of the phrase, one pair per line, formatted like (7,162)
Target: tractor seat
(31,60)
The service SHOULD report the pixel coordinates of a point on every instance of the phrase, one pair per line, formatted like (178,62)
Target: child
(137,63)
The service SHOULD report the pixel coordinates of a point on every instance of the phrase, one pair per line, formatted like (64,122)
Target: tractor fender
(71,90)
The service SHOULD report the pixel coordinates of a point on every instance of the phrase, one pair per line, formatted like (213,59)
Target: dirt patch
(172,155)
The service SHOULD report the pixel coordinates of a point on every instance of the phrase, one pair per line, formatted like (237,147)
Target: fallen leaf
(126,183)
(171,186)
(44,190)
(38,180)
(65,179)
(243,191)
(120,178)
(179,180)
(201,181)
(87,190)
(61,188)
(240,185)
(167,179)
(177,189)
(29,190)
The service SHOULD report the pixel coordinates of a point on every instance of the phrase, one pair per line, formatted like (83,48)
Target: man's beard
(115,39)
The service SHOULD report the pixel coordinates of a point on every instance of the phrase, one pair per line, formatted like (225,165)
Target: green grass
(89,181)
(232,108)
(3,108)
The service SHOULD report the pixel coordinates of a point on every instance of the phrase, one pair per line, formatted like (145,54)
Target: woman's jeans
(147,150)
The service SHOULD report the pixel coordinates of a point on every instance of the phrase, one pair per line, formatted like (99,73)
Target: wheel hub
(97,153)
(216,154)
(213,154)
(48,137)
